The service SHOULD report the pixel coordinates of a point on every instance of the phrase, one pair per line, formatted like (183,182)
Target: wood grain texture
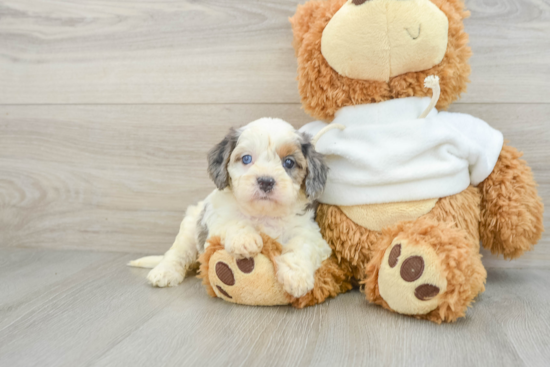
(215,51)
(119,178)
(89,309)
(107,109)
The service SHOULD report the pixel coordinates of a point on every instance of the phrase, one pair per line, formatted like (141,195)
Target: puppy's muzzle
(266,183)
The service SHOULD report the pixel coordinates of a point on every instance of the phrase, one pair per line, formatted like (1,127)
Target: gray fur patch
(202,231)
(311,206)
(296,173)
(218,159)
(316,178)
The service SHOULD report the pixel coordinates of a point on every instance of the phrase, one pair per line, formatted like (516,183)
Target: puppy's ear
(218,159)
(317,169)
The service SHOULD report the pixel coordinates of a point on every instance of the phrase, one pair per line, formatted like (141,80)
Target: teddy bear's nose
(225,274)
(359,2)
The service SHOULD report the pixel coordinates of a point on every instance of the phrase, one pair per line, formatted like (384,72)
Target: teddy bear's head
(354,52)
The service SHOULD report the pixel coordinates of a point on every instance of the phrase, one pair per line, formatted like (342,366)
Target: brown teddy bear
(411,191)
(253,281)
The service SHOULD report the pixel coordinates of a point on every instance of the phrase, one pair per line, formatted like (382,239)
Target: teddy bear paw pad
(411,279)
(249,281)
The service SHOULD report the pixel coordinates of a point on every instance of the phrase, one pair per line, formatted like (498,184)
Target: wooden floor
(107,110)
(75,308)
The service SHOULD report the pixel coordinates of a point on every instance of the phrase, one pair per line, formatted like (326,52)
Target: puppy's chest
(276,229)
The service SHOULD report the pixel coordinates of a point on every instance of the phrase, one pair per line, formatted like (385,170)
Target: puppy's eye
(247,159)
(288,163)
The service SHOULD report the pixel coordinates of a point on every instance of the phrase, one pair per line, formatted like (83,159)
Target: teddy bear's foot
(411,278)
(254,281)
(426,269)
(249,281)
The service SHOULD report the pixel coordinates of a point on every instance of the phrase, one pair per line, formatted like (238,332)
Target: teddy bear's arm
(511,210)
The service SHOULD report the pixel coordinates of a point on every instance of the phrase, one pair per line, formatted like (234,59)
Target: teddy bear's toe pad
(411,278)
(246,281)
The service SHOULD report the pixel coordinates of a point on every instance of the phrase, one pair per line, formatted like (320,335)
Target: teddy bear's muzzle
(379,39)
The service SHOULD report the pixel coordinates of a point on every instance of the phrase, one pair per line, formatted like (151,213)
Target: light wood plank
(74,319)
(119,178)
(33,276)
(111,178)
(105,315)
(115,51)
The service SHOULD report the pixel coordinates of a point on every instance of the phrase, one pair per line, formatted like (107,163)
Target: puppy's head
(269,166)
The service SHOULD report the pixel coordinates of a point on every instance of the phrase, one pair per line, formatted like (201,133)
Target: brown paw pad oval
(425,292)
(224,273)
(412,268)
(222,291)
(394,255)
(246,265)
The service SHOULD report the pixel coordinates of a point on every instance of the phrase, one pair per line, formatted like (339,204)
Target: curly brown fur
(454,220)
(459,258)
(215,244)
(511,210)
(324,91)
(350,243)
(271,249)
(330,278)
(461,210)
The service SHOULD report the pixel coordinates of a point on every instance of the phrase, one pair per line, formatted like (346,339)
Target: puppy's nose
(266,183)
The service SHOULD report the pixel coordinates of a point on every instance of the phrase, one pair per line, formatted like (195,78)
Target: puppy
(267,176)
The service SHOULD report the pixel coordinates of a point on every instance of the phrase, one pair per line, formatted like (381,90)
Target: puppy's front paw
(244,243)
(165,275)
(296,275)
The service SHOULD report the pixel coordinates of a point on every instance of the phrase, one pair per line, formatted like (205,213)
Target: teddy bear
(253,281)
(412,189)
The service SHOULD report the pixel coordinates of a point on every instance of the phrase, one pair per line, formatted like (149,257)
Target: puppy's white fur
(239,210)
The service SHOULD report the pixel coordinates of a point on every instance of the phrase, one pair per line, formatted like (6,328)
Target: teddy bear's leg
(254,282)
(249,281)
(350,243)
(511,210)
(427,269)
(331,279)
